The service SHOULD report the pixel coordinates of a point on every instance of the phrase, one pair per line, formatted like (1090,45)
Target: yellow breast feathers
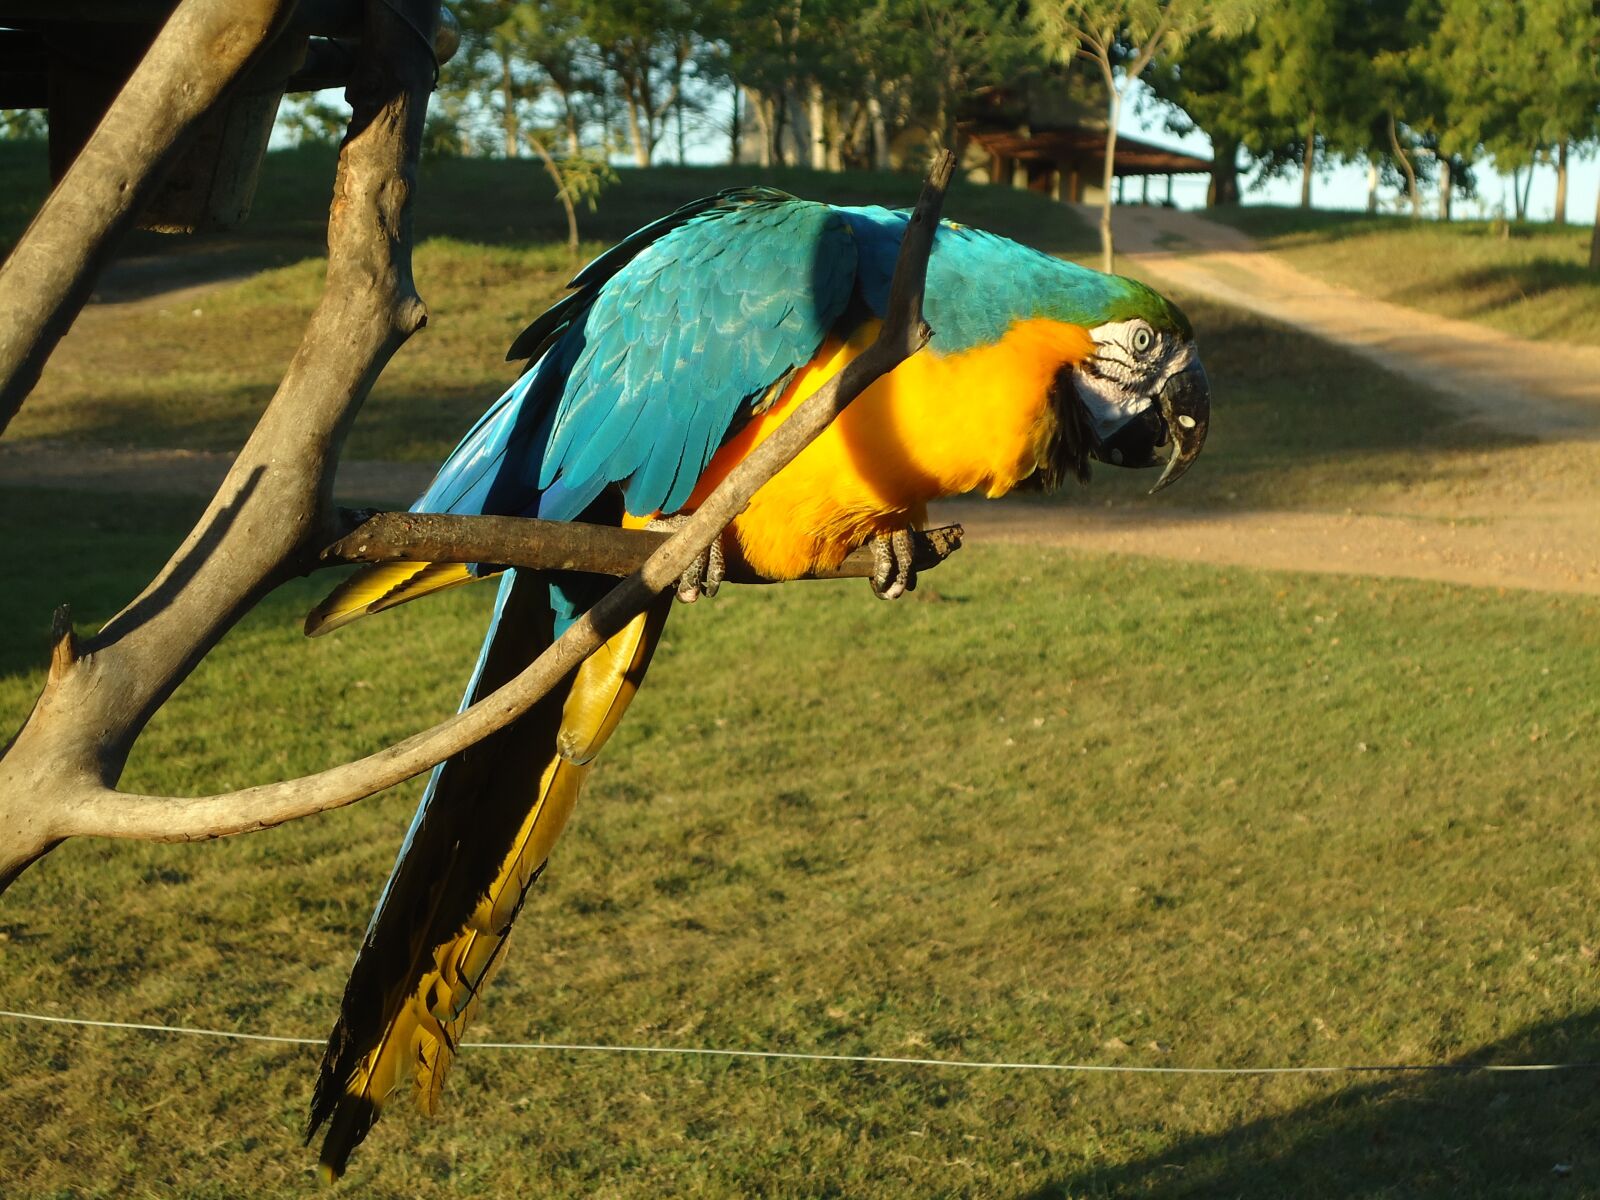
(938,425)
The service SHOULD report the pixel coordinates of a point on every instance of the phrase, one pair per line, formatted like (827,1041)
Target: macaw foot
(893,574)
(706,573)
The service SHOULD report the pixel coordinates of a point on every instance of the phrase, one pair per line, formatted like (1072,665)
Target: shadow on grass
(93,552)
(1495,287)
(1271,221)
(1444,1135)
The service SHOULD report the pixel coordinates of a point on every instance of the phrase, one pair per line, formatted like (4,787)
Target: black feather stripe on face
(1068,450)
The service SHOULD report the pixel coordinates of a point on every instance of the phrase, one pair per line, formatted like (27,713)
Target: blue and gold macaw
(679,350)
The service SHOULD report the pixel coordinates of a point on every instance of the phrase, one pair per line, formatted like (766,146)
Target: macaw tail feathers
(476,847)
(373,589)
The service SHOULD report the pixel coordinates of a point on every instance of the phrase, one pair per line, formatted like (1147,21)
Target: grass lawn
(1534,281)
(1052,808)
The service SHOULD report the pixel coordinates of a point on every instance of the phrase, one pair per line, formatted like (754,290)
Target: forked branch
(103,811)
(274,511)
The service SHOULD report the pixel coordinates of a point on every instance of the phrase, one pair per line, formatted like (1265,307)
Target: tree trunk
(1224,188)
(1372,185)
(1527,189)
(880,132)
(508,97)
(1516,192)
(636,134)
(1594,237)
(853,137)
(1308,164)
(1444,188)
(817,127)
(563,193)
(761,107)
(574,135)
(782,127)
(677,105)
(735,131)
(1561,183)
(1404,160)
(1107,249)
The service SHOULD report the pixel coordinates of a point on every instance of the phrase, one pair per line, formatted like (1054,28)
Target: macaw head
(1143,392)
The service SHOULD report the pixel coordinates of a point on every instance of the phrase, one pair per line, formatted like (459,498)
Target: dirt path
(1537,389)
(1545,550)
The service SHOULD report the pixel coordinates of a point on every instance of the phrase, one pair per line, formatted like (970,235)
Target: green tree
(1303,68)
(525,80)
(1128,34)
(647,46)
(949,49)
(1210,85)
(310,120)
(23,123)
(1518,80)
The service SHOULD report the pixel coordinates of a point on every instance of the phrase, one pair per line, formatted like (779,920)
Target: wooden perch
(273,511)
(273,514)
(102,811)
(565,545)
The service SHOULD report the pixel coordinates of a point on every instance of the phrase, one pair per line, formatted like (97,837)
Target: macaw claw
(706,573)
(893,574)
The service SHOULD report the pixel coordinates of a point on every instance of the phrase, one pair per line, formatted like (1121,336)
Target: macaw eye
(1143,339)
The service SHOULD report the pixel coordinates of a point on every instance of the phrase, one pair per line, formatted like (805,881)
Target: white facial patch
(1119,382)
(1109,384)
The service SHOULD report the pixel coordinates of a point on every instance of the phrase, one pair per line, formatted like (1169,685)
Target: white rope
(873,1059)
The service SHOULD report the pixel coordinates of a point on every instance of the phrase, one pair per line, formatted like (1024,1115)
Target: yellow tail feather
(384,585)
(448,978)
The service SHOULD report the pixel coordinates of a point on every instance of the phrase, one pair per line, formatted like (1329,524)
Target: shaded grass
(512,203)
(1534,281)
(1053,808)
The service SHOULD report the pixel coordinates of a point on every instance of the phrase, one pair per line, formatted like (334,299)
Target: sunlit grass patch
(1528,278)
(1051,808)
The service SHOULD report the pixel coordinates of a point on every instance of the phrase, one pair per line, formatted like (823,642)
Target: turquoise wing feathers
(668,342)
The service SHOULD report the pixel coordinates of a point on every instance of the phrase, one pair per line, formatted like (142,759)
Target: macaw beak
(1179,418)
(1185,403)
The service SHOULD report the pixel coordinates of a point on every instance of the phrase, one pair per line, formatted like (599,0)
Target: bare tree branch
(273,511)
(99,810)
(567,546)
(201,51)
